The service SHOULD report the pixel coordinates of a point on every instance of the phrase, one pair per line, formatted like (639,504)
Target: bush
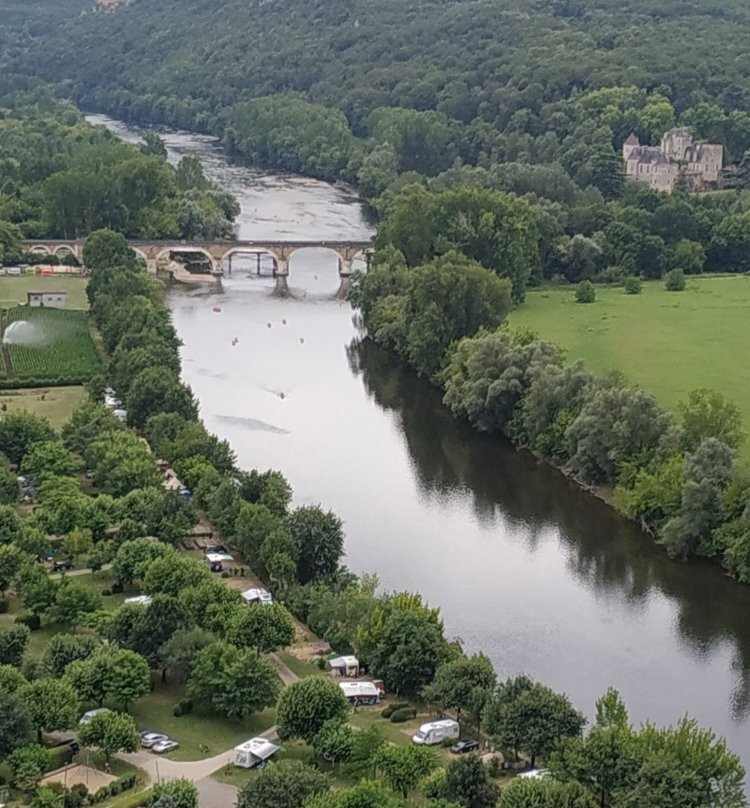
(184,707)
(391,709)
(225,574)
(610,275)
(31,620)
(106,593)
(59,756)
(674,281)
(585,292)
(132,800)
(404,714)
(493,766)
(3,606)
(633,285)
(117,588)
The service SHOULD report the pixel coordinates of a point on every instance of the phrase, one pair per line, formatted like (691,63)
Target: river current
(543,578)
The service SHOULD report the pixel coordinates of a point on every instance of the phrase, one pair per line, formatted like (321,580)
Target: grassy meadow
(668,343)
(13,289)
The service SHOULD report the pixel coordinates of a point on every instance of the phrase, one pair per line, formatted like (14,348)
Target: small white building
(254,752)
(257,595)
(345,666)
(47,299)
(360,692)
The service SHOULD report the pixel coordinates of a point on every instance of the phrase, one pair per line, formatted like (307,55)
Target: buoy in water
(302,340)
(216,309)
(268,324)
(283,322)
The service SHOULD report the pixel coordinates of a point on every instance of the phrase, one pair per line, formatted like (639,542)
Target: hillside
(502,62)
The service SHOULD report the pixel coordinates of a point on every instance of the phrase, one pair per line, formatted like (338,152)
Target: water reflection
(607,554)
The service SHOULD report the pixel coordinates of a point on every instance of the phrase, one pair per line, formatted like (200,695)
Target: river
(542,577)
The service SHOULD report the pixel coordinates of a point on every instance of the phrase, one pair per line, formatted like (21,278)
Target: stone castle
(661,166)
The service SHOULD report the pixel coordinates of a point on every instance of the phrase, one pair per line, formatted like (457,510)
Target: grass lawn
(234,776)
(55,403)
(301,668)
(668,343)
(199,736)
(13,289)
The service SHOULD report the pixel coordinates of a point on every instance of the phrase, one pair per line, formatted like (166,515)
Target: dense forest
(59,176)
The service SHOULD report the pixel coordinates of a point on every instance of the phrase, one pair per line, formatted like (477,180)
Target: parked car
(463,746)
(167,745)
(148,739)
(61,564)
(86,717)
(534,773)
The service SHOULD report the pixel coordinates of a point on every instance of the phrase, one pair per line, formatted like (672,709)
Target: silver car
(167,745)
(148,739)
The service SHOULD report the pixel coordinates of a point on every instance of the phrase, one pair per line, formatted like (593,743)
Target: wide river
(540,576)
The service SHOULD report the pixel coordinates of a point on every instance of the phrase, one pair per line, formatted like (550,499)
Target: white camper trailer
(254,752)
(437,731)
(358,693)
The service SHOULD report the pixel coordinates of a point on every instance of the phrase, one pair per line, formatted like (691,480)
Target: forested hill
(184,61)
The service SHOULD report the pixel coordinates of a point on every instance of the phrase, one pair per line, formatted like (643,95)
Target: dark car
(464,745)
(61,564)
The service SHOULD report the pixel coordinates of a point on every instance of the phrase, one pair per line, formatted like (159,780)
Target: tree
(11,559)
(632,285)
(528,716)
(15,722)
(13,642)
(153,391)
(63,649)
(72,599)
(675,280)
(10,523)
(457,683)
(689,256)
(173,572)
(180,793)
(253,525)
(366,794)
(306,705)
(78,542)
(47,797)
(153,625)
(585,292)
(178,654)
(19,430)
(117,675)
(133,558)
(286,784)
(264,628)
(232,681)
(9,488)
(27,765)
(111,732)
(37,589)
(403,767)
(48,458)
(707,414)
(11,679)
(319,538)
(106,248)
(468,783)
(52,705)
(334,742)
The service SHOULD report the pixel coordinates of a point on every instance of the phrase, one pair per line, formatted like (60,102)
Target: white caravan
(437,731)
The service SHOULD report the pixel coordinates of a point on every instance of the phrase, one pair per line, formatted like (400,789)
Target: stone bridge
(158,254)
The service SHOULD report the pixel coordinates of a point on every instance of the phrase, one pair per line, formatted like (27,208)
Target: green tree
(11,559)
(675,280)
(19,431)
(689,256)
(318,536)
(62,649)
(264,628)
(403,767)
(13,642)
(15,722)
(306,705)
(366,794)
(110,732)
(286,784)
(527,716)
(633,285)
(52,705)
(179,793)
(11,678)
(457,683)
(37,589)
(72,599)
(47,797)
(178,654)
(48,458)
(9,488)
(585,292)
(78,542)
(334,742)
(254,524)
(10,523)
(116,675)
(468,783)
(708,414)
(27,765)
(231,681)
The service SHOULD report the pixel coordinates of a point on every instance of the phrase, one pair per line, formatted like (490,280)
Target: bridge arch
(64,249)
(40,249)
(139,252)
(176,248)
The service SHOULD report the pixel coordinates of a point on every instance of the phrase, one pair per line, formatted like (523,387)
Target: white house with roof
(47,298)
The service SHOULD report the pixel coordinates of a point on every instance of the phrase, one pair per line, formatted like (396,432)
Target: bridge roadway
(158,254)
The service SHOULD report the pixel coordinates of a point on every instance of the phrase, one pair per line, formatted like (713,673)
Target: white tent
(360,692)
(253,752)
(345,665)
(257,595)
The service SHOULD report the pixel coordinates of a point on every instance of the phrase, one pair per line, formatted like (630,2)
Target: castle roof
(649,154)
(632,140)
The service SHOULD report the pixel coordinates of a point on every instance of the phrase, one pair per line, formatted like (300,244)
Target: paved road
(56,576)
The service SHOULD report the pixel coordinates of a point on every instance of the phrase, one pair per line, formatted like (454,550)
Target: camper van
(437,731)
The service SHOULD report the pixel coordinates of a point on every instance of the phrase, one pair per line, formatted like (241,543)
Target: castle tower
(627,147)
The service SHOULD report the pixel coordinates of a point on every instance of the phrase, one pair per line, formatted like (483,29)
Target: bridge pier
(281,273)
(345,274)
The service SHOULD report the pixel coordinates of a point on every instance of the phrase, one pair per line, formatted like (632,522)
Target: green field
(13,289)
(668,343)
(51,344)
(54,403)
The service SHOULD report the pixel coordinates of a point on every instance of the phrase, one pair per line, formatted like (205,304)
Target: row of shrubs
(111,790)
(399,712)
(59,381)
(674,281)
